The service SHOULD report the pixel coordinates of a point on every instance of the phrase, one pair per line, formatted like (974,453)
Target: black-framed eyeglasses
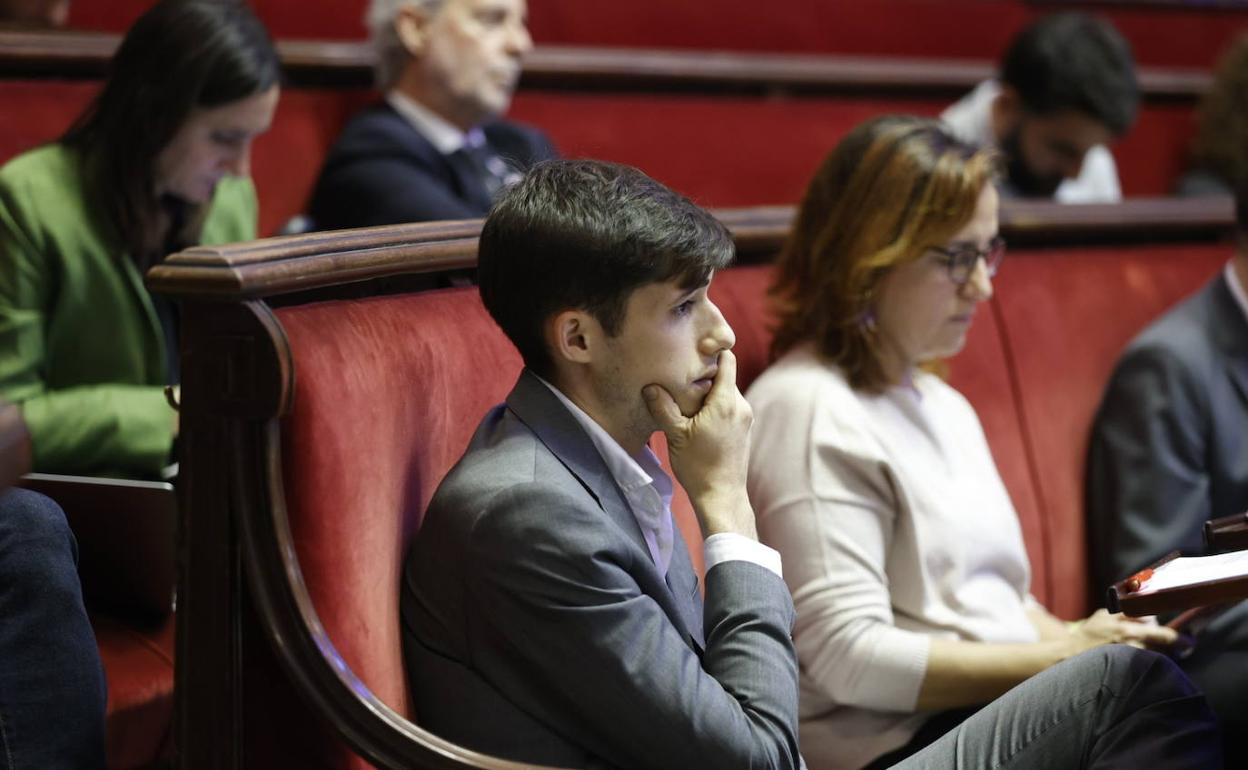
(961,262)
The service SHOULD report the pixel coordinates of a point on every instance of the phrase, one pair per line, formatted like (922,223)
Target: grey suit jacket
(1169,448)
(536,626)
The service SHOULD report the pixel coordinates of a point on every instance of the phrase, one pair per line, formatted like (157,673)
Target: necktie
(482,173)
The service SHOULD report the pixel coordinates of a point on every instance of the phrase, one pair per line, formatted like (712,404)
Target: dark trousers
(1218,664)
(1111,707)
(52,691)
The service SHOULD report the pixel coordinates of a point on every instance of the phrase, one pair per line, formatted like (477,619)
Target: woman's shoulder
(799,374)
(46,170)
(802,391)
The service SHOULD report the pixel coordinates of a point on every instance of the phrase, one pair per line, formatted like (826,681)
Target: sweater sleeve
(74,429)
(827,504)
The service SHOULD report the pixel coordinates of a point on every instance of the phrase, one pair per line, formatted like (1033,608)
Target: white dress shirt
(648,491)
(445,137)
(970,120)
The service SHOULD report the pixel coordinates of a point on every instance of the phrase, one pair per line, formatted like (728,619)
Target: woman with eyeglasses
(872,476)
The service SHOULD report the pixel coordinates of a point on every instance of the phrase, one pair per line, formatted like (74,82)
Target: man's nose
(719,336)
(519,41)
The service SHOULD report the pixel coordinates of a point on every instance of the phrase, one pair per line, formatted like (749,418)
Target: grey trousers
(1112,707)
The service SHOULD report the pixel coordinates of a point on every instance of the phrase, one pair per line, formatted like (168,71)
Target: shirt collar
(441,133)
(627,470)
(1237,288)
(971,117)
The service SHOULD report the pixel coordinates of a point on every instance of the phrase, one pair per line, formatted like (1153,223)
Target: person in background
(158,162)
(1169,451)
(873,479)
(33,13)
(1066,89)
(436,148)
(1220,149)
(52,688)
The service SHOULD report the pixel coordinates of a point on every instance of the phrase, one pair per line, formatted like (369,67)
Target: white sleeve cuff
(729,546)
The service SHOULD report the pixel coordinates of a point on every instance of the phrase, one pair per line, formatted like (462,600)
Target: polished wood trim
(287,264)
(240,582)
(348,64)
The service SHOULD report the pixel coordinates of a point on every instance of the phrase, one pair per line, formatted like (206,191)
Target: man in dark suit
(1169,451)
(435,148)
(550,611)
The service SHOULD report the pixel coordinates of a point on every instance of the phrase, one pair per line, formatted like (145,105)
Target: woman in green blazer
(158,162)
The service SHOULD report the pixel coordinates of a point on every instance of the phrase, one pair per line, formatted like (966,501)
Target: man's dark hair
(1072,61)
(581,234)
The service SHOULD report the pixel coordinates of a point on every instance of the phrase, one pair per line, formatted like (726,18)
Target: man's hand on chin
(710,451)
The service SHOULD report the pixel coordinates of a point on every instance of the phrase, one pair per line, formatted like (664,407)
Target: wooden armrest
(14,445)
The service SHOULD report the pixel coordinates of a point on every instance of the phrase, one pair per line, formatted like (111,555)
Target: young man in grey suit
(550,609)
(1169,451)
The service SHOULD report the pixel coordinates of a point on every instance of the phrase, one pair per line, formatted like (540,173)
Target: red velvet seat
(138,663)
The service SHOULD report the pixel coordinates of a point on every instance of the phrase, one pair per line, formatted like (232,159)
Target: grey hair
(390,54)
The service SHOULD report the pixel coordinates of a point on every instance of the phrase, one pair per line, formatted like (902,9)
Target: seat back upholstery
(406,378)
(1066,315)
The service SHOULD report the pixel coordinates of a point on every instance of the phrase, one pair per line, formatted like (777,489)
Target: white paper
(1187,570)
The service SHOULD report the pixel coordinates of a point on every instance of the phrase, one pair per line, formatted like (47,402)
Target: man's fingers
(663,409)
(726,376)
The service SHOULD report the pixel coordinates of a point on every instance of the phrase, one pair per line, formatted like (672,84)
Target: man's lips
(706,380)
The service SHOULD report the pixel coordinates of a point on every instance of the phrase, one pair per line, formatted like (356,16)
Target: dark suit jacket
(536,626)
(1169,448)
(382,171)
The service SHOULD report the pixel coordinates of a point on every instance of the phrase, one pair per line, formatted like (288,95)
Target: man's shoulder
(1182,338)
(379,131)
(505,465)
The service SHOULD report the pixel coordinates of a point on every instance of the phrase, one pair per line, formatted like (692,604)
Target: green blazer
(81,347)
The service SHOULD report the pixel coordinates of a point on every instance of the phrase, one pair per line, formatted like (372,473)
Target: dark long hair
(180,55)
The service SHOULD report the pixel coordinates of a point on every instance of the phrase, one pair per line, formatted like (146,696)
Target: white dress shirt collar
(1237,288)
(646,486)
(441,133)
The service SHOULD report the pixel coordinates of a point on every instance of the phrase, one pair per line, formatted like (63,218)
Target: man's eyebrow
(689,292)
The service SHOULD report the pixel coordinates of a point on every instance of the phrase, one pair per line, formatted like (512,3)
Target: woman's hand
(1103,628)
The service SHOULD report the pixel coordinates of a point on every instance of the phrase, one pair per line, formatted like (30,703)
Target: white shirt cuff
(729,546)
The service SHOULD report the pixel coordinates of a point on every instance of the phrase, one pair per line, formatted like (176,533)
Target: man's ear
(1007,111)
(572,336)
(411,24)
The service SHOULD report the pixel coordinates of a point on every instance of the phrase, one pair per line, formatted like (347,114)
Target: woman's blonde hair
(894,187)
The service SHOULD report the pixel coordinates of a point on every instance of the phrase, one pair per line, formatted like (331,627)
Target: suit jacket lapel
(539,409)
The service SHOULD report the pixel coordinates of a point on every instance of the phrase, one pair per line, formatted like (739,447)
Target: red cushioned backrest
(1066,315)
(388,392)
(976,28)
(679,139)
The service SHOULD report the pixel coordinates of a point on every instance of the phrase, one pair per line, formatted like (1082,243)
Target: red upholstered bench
(316,433)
